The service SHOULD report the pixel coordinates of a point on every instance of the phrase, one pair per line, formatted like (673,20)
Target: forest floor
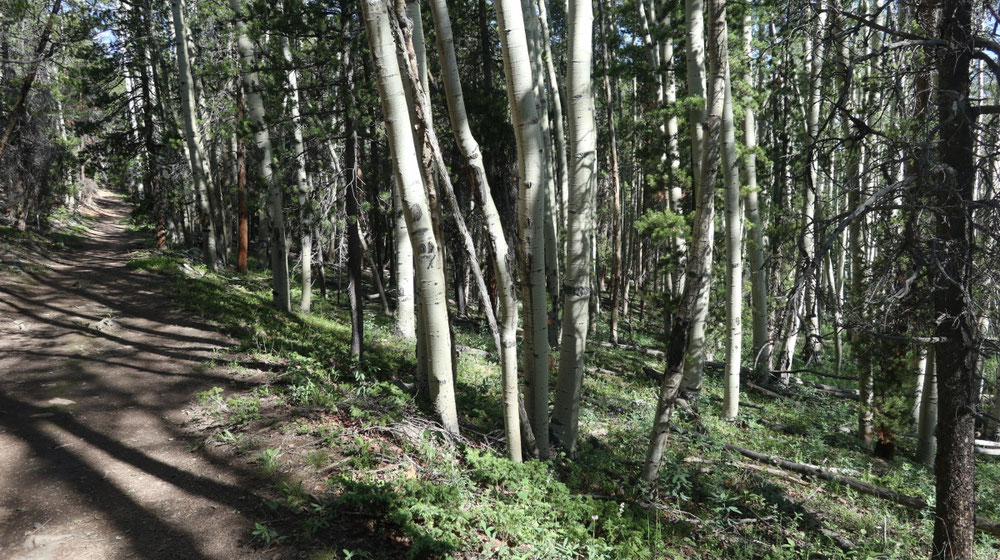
(97,371)
(152,409)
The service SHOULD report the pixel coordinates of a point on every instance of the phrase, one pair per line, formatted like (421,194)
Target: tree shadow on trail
(151,537)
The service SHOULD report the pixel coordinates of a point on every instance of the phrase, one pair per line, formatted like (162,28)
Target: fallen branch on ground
(841,392)
(912,502)
(814,372)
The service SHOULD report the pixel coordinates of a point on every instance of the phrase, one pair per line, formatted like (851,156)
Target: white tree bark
(430,266)
(920,366)
(580,225)
(558,128)
(815,51)
(301,180)
(255,105)
(536,52)
(679,350)
(755,247)
(694,366)
(926,439)
(531,214)
(734,256)
(405,324)
(192,135)
(502,257)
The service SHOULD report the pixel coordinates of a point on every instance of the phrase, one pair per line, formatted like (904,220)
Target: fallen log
(985,525)
(647,351)
(827,474)
(842,392)
(765,391)
(814,372)
(991,451)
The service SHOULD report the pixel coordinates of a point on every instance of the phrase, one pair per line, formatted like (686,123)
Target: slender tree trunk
(550,230)
(301,180)
(251,83)
(919,365)
(531,214)
(927,427)
(695,365)
(616,204)
(761,355)
(243,219)
(151,175)
(502,257)
(814,49)
(430,268)
(557,119)
(405,324)
(678,350)
(734,256)
(580,225)
(352,186)
(196,151)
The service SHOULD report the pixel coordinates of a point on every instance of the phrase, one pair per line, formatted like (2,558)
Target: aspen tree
(558,197)
(429,263)
(696,276)
(301,180)
(405,317)
(761,354)
(694,365)
(616,205)
(195,146)
(928,417)
(734,255)
(255,104)
(815,51)
(531,214)
(550,228)
(501,254)
(580,224)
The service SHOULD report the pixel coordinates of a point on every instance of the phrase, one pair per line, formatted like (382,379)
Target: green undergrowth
(339,441)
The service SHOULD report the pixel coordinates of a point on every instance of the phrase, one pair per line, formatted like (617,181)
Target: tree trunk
(430,266)
(405,324)
(616,204)
(694,367)
(734,255)
(243,224)
(951,195)
(557,119)
(499,249)
(814,50)
(531,214)
(352,186)
(301,180)
(927,427)
(761,354)
(580,225)
(196,151)
(678,351)
(251,83)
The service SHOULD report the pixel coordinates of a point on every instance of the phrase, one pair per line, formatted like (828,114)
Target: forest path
(97,368)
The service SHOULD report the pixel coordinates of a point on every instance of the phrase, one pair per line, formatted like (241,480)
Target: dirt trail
(97,367)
